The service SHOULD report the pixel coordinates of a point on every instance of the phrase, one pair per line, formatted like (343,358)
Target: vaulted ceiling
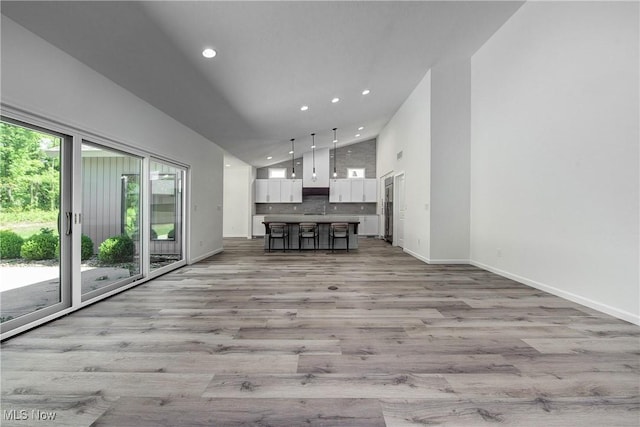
(272,58)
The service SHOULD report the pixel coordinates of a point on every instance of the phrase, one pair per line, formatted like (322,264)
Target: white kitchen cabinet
(352,190)
(370,190)
(291,191)
(368,225)
(258,226)
(339,191)
(262,190)
(278,191)
(364,190)
(274,190)
(357,190)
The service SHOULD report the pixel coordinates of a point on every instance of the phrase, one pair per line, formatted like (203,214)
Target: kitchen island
(323,221)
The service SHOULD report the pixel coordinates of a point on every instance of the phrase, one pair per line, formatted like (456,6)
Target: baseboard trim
(604,308)
(205,256)
(435,261)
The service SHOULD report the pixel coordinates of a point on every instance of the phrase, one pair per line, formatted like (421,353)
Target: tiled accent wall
(360,155)
(316,205)
(263,173)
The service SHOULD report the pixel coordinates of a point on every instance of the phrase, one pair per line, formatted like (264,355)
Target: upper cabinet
(353,190)
(370,190)
(291,191)
(339,191)
(278,191)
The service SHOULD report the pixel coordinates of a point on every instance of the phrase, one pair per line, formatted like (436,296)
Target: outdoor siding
(102,200)
(102,195)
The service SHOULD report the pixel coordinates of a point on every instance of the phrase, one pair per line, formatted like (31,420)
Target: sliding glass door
(80,219)
(166,217)
(35,223)
(111,219)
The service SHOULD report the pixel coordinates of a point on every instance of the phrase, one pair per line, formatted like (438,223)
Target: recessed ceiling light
(304,108)
(270,157)
(291,152)
(209,53)
(366,92)
(228,165)
(313,146)
(334,100)
(357,135)
(361,127)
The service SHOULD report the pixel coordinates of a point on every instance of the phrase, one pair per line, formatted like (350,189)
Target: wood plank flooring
(254,338)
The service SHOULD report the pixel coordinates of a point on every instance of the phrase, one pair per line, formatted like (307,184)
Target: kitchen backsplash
(316,205)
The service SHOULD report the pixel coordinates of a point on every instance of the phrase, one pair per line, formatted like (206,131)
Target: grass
(26,224)
(162,229)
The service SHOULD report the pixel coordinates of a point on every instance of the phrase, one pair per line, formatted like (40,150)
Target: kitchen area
(324,186)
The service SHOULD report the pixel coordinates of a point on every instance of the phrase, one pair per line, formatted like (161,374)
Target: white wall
(450,151)
(322,168)
(238,183)
(41,79)
(554,157)
(409,131)
(432,130)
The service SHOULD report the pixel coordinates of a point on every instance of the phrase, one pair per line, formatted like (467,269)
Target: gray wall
(263,173)
(359,155)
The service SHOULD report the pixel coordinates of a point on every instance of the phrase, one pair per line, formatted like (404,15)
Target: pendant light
(335,153)
(313,154)
(293,160)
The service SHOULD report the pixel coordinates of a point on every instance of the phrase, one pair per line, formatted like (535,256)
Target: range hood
(315,191)
(321,163)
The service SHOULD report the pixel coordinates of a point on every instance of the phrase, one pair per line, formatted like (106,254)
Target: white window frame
(277,173)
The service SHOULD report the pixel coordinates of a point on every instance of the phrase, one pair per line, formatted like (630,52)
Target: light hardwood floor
(254,338)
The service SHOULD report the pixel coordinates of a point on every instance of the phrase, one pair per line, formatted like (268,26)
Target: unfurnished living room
(326,213)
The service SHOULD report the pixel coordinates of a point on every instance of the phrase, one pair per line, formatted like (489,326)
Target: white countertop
(312,218)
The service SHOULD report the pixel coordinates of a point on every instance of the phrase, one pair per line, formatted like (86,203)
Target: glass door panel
(31,224)
(165,214)
(111,208)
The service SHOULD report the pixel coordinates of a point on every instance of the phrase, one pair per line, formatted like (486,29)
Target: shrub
(116,249)
(86,247)
(10,244)
(40,246)
(171,234)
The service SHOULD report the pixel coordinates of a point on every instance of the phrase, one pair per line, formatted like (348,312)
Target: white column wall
(238,198)
(554,152)
(409,132)
(41,79)
(450,151)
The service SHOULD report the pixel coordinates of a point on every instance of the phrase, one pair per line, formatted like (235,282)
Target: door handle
(67,216)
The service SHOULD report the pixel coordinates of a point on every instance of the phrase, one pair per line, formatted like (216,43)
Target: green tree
(29,176)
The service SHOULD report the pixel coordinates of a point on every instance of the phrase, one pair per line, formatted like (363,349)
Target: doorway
(388,209)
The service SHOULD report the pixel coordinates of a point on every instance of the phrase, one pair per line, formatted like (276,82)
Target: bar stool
(338,230)
(278,230)
(308,230)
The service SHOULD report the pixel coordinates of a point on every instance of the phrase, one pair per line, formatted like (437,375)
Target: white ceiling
(273,57)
